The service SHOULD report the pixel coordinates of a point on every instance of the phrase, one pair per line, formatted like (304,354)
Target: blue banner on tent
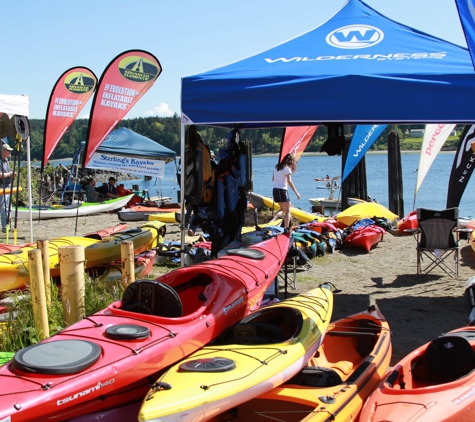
(466,9)
(363,138)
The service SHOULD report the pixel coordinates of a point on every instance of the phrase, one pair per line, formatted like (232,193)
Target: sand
(418,307)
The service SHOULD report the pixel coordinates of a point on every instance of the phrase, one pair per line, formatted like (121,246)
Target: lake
(432,194)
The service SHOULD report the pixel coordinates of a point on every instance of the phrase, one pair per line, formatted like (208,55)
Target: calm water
(432,194)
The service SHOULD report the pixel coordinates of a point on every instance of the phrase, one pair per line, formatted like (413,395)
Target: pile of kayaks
(99,248)
(110,358)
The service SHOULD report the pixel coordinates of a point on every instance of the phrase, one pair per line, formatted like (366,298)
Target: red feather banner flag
(129,76)
(296,139)
(68,97)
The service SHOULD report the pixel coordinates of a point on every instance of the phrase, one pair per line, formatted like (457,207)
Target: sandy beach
(418,307)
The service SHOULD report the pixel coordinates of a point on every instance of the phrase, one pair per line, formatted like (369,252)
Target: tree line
(166,131)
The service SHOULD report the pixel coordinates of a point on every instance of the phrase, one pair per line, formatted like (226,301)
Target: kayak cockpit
(447,359)
(158,299)
(267,326)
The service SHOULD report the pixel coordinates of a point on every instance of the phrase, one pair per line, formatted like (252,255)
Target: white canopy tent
(19,105)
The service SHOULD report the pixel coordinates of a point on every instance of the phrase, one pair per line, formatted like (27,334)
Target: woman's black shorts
(280,195)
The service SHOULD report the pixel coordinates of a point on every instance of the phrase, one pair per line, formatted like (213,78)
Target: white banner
(435,136)
(132,165)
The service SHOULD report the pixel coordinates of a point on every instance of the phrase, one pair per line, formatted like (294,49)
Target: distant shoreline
(382,152)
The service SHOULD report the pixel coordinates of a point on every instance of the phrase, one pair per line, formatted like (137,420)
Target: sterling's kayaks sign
(137,166)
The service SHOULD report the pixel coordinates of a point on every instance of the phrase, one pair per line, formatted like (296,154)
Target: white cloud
(83,116)
(162,110)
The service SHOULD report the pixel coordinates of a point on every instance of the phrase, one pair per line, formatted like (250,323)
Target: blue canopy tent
(358,67)
(141,154)
(126,142)
(127,151)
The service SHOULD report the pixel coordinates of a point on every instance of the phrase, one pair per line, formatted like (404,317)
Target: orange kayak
(350,363)
(435,382)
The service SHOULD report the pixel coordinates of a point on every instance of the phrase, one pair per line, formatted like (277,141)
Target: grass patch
(19,329)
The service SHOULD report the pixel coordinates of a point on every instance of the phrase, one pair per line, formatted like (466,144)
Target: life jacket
(199,168)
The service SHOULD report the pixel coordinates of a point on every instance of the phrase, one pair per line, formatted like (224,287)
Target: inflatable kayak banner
(70,94)
(133,165)
(125,80)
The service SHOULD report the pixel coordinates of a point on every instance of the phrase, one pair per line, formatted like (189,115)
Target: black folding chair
(437,239)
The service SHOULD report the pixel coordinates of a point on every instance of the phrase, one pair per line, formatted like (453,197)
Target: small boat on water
(260,352)
(435,382)
(330,183)
(76,209)
(352,360)
(108,359)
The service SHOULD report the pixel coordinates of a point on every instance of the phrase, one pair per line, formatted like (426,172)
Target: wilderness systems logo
(79,82)
(138,69)
(365,141)
(355,36)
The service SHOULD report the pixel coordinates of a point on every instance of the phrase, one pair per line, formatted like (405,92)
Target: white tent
(19,105)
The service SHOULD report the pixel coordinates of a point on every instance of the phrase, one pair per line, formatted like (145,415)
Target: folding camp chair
(437,239)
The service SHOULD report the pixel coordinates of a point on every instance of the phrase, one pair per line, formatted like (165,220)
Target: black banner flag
(462,169)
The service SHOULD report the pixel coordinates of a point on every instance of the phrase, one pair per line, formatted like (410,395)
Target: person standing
(282,178)
(6,182)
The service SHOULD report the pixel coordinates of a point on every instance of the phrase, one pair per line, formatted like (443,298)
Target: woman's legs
(285,208)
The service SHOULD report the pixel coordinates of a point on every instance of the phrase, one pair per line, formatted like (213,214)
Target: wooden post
(38,297)
(43,246)
(71,266)
(395,185)
(127,258)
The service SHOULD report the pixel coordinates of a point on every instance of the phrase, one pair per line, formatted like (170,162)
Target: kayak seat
(448,358)
(152,297)
(316,376)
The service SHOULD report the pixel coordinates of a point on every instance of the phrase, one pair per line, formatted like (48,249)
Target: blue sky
(42,39)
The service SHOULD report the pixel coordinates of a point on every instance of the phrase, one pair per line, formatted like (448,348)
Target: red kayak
(365,237)
(109,358)
(408,222)
(435,382)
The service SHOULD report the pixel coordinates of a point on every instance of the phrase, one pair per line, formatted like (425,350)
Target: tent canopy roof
(126,142)
(358,67)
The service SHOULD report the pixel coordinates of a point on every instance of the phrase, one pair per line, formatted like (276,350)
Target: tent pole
(30,198)
(182,195)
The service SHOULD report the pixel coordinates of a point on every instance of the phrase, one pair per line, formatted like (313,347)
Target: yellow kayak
(146,237)
(352,360)
(14,265)
(165,217)
(365,210)
(260,201)
(250,358)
